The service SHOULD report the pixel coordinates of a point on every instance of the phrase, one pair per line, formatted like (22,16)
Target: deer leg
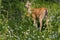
(34,20)
(47,22)
(35,24)
(40,20)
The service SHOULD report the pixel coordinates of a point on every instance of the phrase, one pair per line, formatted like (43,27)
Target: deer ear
(26,4)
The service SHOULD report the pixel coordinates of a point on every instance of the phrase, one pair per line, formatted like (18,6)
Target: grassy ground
(16,28)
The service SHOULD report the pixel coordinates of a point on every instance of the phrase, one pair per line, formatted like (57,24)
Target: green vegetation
(14,25)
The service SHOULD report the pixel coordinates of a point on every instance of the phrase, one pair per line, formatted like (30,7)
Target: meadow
(15,25)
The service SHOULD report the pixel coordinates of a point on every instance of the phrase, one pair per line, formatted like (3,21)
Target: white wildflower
(42,36)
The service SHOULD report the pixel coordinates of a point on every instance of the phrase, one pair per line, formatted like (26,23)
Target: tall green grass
(20,27)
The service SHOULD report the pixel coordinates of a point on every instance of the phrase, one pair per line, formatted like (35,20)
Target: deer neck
(29,10)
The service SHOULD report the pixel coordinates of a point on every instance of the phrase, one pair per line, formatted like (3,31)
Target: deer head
(28,6)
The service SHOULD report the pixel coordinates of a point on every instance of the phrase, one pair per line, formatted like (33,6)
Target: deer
(39,13)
